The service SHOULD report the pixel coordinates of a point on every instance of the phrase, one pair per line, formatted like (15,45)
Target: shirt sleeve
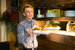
(21,33)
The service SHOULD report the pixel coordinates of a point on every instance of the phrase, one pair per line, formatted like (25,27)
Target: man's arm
(21,33)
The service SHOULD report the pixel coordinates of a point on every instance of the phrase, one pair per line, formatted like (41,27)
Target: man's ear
(24,14)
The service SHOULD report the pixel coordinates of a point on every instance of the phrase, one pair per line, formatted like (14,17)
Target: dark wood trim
(56,19)
(54,41)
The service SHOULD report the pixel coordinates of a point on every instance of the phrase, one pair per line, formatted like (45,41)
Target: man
(25,30)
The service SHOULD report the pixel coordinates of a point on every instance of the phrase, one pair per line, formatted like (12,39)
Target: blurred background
(56,13)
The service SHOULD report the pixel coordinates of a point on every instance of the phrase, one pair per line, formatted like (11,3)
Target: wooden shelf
(56,19)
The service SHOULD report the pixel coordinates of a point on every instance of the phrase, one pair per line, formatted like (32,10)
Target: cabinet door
(45,44)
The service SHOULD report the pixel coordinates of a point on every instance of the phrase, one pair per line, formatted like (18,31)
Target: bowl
(69,13)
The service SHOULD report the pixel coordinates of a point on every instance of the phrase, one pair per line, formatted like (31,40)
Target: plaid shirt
(24,37)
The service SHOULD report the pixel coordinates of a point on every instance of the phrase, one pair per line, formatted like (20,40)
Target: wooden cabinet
(46,44)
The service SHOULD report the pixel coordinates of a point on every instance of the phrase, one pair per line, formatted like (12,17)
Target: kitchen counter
(57,39)
(56,32)
(63,39)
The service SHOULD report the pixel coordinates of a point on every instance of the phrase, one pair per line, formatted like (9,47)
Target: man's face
(28,13)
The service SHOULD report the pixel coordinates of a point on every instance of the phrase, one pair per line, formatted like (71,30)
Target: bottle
(68,26)
(39,15)
(47,14)
(38,11)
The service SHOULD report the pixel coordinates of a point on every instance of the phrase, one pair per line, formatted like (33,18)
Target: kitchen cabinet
(55,41)
(58,42)
(62,17)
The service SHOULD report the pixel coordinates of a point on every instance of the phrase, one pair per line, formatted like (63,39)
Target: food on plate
(49,25)
(56,26)
(44,29)
(37,28)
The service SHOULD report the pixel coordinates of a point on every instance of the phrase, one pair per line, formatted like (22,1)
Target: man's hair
(29,6)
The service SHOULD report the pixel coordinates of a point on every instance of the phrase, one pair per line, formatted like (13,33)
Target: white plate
(48,28)
(53,28)
(41,32)
(69,13)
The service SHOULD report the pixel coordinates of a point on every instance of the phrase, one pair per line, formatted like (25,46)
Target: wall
(62,24)
(41,23)
(3,6)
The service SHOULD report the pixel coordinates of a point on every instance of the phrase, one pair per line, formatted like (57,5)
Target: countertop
(61,32)
(62,37)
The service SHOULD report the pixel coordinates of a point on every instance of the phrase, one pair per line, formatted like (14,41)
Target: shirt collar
(29,20)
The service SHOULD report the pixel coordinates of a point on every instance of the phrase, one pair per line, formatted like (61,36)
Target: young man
(25,30)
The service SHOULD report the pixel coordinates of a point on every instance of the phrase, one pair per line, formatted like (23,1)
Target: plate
(41,32)
(53,28)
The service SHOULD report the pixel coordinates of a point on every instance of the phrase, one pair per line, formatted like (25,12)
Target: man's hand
(29,31)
